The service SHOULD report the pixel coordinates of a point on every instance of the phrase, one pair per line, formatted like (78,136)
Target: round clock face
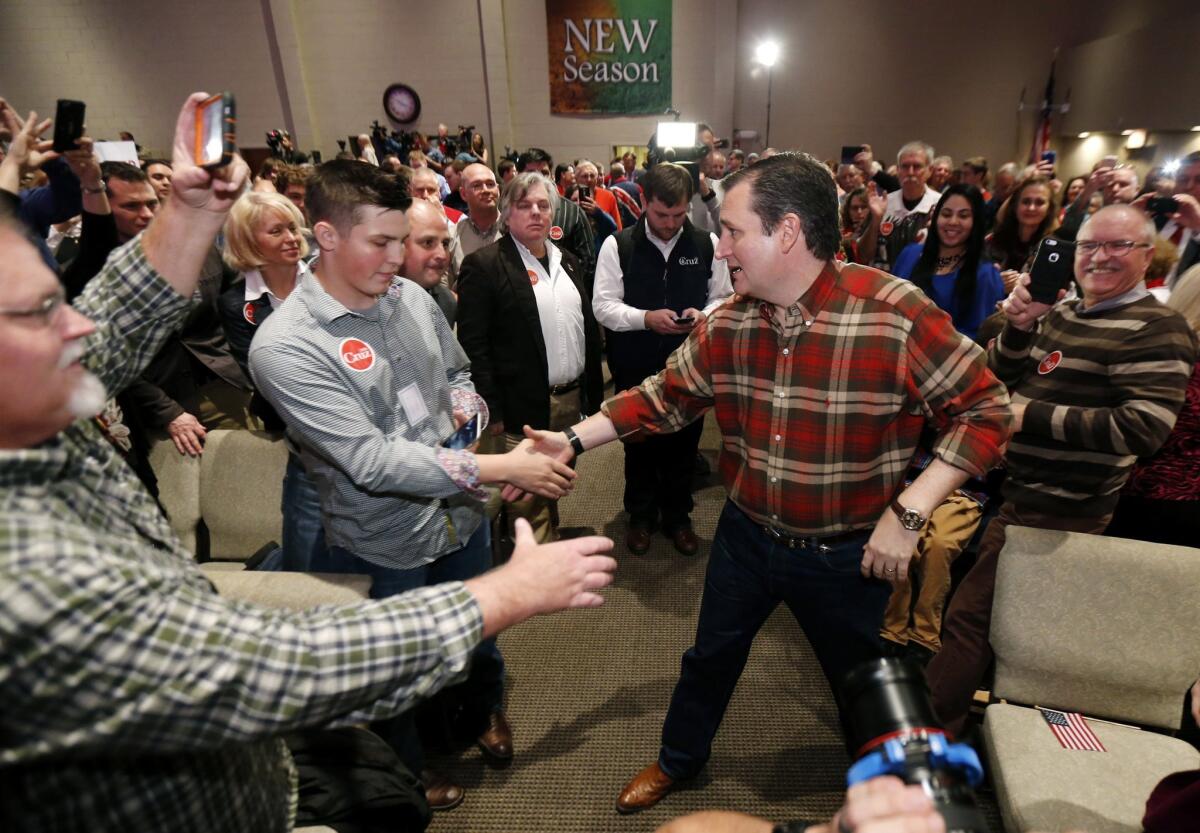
(402,103)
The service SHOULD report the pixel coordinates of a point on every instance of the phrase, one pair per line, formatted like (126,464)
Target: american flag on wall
(1041,132)
(1072,731)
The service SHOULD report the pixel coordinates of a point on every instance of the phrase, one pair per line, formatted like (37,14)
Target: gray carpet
(588,691)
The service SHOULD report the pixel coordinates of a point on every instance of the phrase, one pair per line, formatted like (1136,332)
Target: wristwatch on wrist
(574,440)
(910,519)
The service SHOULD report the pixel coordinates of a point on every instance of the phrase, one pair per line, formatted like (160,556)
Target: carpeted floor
(588,691)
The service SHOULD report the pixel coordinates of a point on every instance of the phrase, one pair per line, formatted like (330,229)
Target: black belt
(813,542)
(558,390)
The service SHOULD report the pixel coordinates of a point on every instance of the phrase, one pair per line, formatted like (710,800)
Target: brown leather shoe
(646,789)
(638,540)
(497,742)
(685,540)
(440,791)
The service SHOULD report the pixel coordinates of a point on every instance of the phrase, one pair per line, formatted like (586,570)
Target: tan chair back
(1104,626)
(241,486)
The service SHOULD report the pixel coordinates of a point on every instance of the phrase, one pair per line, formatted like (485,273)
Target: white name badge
(414,407)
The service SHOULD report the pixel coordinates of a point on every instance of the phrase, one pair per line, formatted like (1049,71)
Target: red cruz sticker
(556,232)
(357,354)
(885,228)
(533,279)
(248,312)
(1051,361)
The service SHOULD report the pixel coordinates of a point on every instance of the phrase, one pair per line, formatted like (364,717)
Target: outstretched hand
(543,578)
(553,444)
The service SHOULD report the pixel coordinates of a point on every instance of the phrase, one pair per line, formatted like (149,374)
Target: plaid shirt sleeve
(965,401)
(135,311)
(114,653)
(673,398)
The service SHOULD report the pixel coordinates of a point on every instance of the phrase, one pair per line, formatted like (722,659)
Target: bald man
(480,226)
(427,255)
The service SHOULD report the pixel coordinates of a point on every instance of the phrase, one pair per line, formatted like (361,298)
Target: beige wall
(881,72)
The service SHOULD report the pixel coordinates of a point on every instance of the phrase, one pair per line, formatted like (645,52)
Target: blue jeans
(303,534)
(748,575)
(483,691)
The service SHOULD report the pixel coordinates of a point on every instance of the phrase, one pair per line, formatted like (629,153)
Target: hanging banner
(609,56)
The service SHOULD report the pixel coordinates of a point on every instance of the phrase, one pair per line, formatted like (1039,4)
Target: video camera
(893,727)
(675,141)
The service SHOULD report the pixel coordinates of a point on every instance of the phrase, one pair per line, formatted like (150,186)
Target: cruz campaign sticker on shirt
(885,228)
(1051,361)
(248,312)
(533,278)
(556,232)
(357,354)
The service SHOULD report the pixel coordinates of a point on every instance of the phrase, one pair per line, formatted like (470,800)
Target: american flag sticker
(1072,731)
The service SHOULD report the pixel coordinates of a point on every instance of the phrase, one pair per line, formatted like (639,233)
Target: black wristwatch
(709,196)
(574,440)
(910,519)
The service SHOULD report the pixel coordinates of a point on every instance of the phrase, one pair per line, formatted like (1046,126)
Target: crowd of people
(890,392)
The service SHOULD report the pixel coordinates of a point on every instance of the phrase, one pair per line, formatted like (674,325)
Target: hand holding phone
(685,321)
(1165,206)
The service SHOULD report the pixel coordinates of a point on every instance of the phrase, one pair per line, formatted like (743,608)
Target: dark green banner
(609,56)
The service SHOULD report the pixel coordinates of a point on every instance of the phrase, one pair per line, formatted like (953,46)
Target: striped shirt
(367,396)
(820,417)
(1101,389)
(134,697)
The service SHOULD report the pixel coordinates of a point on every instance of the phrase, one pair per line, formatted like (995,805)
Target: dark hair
(1006,235)
(794,183)
(964,284)
(338,189)
(860,191)
(505,165)
(122,171)
(560,169)
(670,184)
(531,156)
(1191,159)
(146,163)
(738,153)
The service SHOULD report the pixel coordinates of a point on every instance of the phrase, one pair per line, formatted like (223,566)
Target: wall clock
(402,103)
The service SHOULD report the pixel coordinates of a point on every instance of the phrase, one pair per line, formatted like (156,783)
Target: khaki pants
(542,513)
(949,529)
(218,404)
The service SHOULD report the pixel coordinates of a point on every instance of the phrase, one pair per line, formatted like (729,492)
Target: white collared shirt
(560,309)
(256,287)
(608,300)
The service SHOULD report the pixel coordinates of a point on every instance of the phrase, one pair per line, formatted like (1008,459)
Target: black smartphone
(1052,270)
(685,322)
(849,152)
(68,124)
(1162,205)
(464,437)
(585,192)
(216,131)
(316,157)
(1050,156)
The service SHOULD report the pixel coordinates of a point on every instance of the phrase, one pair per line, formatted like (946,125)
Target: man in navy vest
(655,282)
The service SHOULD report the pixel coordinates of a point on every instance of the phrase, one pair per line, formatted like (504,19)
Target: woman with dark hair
(855,216)
(1075,186)
(949,266)
(1021,223)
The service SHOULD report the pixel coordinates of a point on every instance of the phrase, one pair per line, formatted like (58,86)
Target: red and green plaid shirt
(820,417)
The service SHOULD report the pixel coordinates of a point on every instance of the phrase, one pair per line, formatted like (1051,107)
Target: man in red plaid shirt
(821,376)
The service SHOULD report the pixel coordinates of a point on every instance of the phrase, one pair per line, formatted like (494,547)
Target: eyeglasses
(1117,248)
(44,314)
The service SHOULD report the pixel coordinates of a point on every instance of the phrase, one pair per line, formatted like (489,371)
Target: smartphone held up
(216,131)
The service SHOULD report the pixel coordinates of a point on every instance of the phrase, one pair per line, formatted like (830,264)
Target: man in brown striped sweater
(1095,384)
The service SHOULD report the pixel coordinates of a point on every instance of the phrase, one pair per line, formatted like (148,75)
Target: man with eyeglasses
(1096,382)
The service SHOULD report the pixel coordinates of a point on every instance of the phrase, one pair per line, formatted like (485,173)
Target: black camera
(895,732)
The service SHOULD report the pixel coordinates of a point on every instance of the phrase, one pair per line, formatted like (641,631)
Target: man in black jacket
(655,282)
(525,320)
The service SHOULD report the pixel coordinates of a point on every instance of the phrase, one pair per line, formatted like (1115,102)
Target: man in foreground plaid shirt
(134,697)
(821,376)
